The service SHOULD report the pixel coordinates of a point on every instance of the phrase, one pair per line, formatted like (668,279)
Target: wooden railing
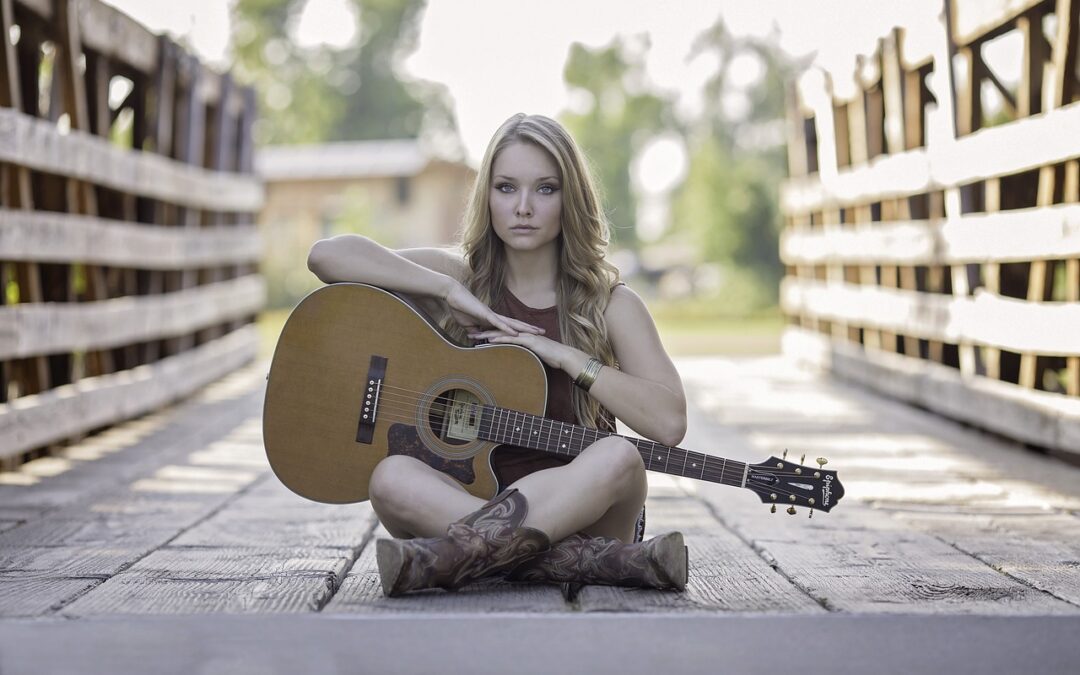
(933,250)
(128,250)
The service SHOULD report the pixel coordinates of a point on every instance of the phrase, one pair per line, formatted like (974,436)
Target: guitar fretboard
(501,425)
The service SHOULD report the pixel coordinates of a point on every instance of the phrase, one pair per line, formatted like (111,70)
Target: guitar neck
(501,425)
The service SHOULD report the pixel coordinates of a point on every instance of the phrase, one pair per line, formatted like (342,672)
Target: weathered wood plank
(133,594)
(102,467)
(122,532)
(884,177)
(985,319)
(1041,551)
(252,528)
(59,237)
(982,20)
(38,144)
(29,562)
(39,596)
(904,572)
(45,328)
(35,421)
(726,575)
(110,32)
(1004,150)
(1020,235)
(176,563)
(1041,418)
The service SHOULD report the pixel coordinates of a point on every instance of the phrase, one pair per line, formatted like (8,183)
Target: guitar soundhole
(454,416)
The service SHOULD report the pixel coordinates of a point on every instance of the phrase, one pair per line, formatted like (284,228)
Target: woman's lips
(522,229)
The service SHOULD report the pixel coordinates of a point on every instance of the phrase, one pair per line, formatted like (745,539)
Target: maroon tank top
(512,462)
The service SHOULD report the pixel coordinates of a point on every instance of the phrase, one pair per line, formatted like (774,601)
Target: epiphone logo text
(826,491)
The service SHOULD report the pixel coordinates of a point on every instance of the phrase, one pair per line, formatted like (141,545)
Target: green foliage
(619,119)
(727,207)
(318,94)
(728,204)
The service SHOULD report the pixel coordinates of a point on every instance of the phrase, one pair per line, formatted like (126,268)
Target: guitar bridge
(369,406)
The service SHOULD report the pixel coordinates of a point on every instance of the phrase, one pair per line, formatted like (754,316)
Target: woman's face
(526,199)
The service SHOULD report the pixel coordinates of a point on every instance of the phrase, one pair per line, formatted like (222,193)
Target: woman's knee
(391,479)
(620,460)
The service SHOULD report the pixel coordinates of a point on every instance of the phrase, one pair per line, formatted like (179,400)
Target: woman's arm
(646,393)
(428,275)
(350,257)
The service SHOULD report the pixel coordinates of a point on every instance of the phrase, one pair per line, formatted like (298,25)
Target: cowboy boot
(660,562)
(483,544)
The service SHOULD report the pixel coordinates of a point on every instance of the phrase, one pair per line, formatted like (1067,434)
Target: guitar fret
(678,464)
(648,462)
(506,426)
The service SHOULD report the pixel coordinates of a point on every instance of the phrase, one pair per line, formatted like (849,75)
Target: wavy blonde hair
(584,278)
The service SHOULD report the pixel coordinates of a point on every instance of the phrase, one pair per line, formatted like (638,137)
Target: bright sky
(498,57)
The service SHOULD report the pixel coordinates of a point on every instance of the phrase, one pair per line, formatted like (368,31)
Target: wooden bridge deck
(178,513)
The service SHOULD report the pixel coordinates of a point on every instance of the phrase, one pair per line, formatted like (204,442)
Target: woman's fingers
(513,326)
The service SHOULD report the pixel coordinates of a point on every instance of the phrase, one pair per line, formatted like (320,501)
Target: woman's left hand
(550,352)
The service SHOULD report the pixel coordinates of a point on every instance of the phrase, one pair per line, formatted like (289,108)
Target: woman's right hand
(474,316)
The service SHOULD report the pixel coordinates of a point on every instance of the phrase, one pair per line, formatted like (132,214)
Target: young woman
(533,274)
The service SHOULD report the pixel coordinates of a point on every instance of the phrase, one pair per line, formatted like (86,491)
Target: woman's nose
(523,206)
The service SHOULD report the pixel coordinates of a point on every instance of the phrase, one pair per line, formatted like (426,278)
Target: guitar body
(316,439)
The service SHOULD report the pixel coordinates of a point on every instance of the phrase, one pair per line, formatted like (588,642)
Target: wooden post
(1065,49)
(892,84)
(30,376)
(1040,279)
(82,197)
(970,98)
(1029,98)
(935,278)
(992,275)
(1071,195)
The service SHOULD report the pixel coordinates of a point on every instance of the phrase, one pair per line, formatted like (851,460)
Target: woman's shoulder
(624,303)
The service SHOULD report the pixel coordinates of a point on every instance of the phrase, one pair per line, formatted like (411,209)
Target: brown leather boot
(660,562)
(484,543)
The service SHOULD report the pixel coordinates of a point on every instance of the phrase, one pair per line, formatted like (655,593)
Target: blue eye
(500,186)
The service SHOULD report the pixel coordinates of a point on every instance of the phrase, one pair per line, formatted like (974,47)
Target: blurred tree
(619,117)
(323,92)
(727,210)
(728,205)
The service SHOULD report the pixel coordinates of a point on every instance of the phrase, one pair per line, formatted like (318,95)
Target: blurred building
(394,191)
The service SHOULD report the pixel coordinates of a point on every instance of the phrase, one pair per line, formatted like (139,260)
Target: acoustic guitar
(360,373)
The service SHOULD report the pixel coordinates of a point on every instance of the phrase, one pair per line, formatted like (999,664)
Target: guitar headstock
(778,481)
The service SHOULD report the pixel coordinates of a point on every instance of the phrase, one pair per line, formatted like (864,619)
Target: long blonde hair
(584,278)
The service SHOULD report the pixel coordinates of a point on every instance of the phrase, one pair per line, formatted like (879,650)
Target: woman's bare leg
(413,500)
(601,492)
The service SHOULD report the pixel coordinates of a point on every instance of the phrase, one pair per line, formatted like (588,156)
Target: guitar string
(711,474)
(407,415)
(731,474)
(411,402)
(548,436)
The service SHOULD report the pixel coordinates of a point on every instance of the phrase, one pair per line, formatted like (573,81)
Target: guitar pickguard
(403,439)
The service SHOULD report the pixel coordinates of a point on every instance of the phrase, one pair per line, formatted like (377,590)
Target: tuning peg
(802,460)
(773,509)
(791,510)
(785,454)
(822,461)
(811,513)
